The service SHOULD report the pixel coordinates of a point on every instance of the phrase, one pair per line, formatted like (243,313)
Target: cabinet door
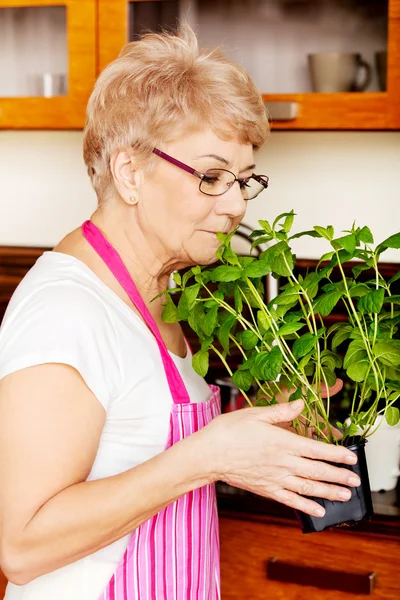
(272,40)
(47,62)
(377,108)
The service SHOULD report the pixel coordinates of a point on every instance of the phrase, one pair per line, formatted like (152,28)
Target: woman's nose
(231,203)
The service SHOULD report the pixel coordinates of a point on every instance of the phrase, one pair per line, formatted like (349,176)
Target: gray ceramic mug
(338,72)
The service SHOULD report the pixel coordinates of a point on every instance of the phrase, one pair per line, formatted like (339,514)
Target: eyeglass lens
(218,181)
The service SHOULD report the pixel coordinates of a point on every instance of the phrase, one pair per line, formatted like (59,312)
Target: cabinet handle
(282,111)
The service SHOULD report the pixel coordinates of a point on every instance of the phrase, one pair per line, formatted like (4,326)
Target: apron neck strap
(114,262)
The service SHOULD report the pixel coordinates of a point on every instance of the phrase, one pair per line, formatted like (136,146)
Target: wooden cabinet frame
(61,112)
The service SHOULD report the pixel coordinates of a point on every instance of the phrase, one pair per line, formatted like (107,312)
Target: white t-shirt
(63,313)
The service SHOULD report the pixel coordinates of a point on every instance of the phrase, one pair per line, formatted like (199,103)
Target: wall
(326,177)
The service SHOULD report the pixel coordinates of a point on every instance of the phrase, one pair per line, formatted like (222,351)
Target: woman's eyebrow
(223,160)
(219,158)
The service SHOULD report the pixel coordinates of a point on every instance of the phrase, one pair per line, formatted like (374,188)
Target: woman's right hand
(248,450)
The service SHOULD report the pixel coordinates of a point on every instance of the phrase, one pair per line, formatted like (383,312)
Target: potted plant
(286,343)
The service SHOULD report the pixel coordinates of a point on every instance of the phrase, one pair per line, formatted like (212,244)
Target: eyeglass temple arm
(261,179)
(177,163)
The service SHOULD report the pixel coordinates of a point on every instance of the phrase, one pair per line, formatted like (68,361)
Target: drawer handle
(328,579)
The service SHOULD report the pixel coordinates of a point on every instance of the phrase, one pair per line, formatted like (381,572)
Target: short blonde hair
(159,88)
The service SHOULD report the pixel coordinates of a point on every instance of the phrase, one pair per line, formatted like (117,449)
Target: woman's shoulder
(59,285)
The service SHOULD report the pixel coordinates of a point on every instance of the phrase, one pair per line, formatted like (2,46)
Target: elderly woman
(110,442)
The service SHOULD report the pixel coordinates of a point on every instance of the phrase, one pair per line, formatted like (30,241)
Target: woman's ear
(126,177)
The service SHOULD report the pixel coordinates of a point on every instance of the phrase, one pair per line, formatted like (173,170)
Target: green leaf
(288,296)
(311,283)
(195,318)
(261,240)
(358,370)
(186,277)
(256,233)
(289,328)
(191,294)
(170,312)
(324,257)
(267,365)
(242,379)
(330,376)
(177,277)
(392,415)
(392,299)
(265,225)
(388,353)
(296,395)
(226,324)
(351,430)
(371,302)
(248,339)
(324,232)
(237,296)
(341,335)
(326,303)
(219,254)
(279,217)
(331,359)
(280,259)
(348,242)
(287,225)
(264,401)
(200,362)
(355,352)
(359,269)
(310,233)
(394,278)
(365,235)
(391,242)
(359,290)
(306,359)
(304,344)
(226,273)
(258,268)
(263,322)
(230,256)
(210,320)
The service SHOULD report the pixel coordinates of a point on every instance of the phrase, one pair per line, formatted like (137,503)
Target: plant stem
(218,353)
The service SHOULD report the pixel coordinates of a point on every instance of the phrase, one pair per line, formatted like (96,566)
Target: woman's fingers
(321,451)
(321,471)
(334,389)
(318,489)
(298,502)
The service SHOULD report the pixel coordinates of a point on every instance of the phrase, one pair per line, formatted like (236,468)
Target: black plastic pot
(359,506)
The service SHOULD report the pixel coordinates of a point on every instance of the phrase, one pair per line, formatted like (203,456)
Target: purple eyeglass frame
(262,179)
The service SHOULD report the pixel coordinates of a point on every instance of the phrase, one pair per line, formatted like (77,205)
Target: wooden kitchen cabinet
(226,22)
(48,62)
(247,543)
(95,31)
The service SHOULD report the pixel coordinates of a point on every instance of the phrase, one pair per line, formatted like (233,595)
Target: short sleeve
(63,323)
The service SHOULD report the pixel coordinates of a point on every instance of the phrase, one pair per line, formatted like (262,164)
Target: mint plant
(285,342)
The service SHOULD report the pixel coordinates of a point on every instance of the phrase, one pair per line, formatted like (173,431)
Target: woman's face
(177,219)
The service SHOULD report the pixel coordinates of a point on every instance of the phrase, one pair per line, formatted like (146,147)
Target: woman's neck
(145,260)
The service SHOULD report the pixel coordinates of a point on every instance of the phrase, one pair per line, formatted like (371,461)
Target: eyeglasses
(215,182)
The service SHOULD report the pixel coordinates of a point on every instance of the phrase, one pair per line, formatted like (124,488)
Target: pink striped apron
(175,554)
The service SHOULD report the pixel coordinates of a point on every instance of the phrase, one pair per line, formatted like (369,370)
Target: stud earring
(133,200)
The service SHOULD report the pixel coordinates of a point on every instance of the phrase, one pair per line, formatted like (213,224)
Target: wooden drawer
(246,546)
